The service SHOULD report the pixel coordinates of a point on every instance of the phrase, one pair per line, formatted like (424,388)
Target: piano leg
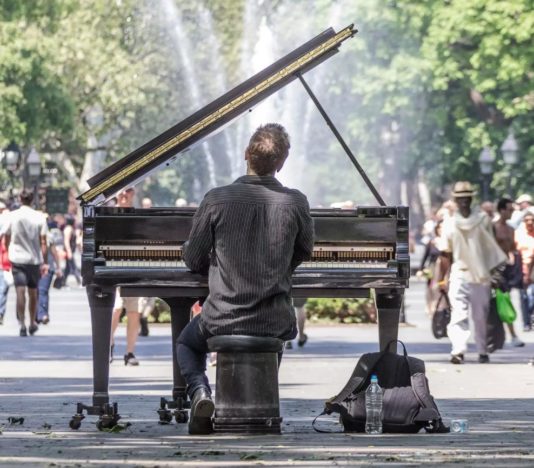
(388,305)
(180,315)
(101,302)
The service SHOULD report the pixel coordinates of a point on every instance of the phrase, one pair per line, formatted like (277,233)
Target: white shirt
(25,226)
(474,249)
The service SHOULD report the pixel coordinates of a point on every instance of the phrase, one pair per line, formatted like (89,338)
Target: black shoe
(23,331)
(144,326)
(130,360)
(33,329)
(457,358)
(111,353)
(202,408)
(289,345)
(302,342)
(483,358)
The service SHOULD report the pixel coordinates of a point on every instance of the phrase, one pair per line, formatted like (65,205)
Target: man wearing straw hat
(476,258)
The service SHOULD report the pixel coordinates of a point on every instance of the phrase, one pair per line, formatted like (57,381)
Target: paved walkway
(42,377)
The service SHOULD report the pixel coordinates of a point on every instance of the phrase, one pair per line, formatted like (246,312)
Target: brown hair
(26,197)
(268,148)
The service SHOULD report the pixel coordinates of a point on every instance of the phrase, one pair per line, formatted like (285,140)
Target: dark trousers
(44,288)
(192,350)
(71,269)
(4,288)
(527,304)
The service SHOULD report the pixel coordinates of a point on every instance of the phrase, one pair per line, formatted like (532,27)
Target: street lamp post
(510,150)
(485,161)
(33,167)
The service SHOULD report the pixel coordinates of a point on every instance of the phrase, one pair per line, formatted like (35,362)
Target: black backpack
(407,407)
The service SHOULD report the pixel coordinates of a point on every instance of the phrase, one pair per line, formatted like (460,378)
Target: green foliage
(341,310)
(481,56)
(423,87)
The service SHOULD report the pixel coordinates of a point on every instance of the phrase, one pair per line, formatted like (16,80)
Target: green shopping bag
(505,308)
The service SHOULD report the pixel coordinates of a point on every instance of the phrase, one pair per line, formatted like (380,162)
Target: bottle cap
(374,378)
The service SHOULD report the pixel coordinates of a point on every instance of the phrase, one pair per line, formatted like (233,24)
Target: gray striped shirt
(251,235)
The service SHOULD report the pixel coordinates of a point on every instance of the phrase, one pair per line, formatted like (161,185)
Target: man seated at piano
(249,237)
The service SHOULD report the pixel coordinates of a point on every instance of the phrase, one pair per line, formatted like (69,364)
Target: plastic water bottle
(373,407)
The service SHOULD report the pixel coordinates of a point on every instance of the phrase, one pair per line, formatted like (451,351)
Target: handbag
(441,316)
(505,308)
(407,406)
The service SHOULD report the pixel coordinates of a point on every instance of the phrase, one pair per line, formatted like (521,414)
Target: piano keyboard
(323,257)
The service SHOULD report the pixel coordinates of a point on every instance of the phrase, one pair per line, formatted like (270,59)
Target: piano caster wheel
(181,416)
(76,421)
(107,422)
(165,416)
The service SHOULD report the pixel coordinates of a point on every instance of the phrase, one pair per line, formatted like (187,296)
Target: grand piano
(356,251)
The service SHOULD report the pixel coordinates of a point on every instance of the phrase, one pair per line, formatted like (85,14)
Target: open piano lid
(140,162)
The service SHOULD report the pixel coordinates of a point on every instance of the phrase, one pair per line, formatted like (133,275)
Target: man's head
(267,149)
(125,197)
(146,202)
(26,197)
(524,201)
(463,196)
(488,208)
(505,208)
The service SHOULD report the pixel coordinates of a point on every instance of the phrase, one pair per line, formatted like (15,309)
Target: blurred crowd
(469,254)
(473,256)
(30,239)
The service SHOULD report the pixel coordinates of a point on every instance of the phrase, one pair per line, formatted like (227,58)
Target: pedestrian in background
(54,268)
(468,236)
(524,239)
(488,208)
(504,235)
(523,205)
(300,314)
(27,249)
(5,266)
(130,304)
(70,244)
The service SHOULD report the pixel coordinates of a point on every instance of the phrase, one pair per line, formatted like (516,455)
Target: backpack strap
(429,413)
(322,431)
(356,382)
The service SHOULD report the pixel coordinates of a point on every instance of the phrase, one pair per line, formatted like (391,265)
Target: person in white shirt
(26,244)
(523,204)
(469,237)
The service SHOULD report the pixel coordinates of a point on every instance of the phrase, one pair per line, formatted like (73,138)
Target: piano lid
(206,121)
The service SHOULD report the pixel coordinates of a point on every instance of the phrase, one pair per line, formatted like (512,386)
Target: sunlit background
(418,93)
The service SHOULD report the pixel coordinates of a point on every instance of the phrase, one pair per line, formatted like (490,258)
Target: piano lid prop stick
(329,122)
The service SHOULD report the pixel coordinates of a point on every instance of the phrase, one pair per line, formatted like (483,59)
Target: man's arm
(197,249)
(67,234)
(304,240)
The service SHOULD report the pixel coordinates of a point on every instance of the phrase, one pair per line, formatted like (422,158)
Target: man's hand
(443,285)
(44,269)
(497,278)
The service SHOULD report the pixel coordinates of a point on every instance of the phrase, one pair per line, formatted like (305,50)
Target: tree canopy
(421,90)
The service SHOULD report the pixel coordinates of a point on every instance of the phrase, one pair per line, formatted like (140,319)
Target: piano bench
(246,391)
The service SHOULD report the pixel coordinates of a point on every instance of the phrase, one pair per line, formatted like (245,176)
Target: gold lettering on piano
(328,45)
